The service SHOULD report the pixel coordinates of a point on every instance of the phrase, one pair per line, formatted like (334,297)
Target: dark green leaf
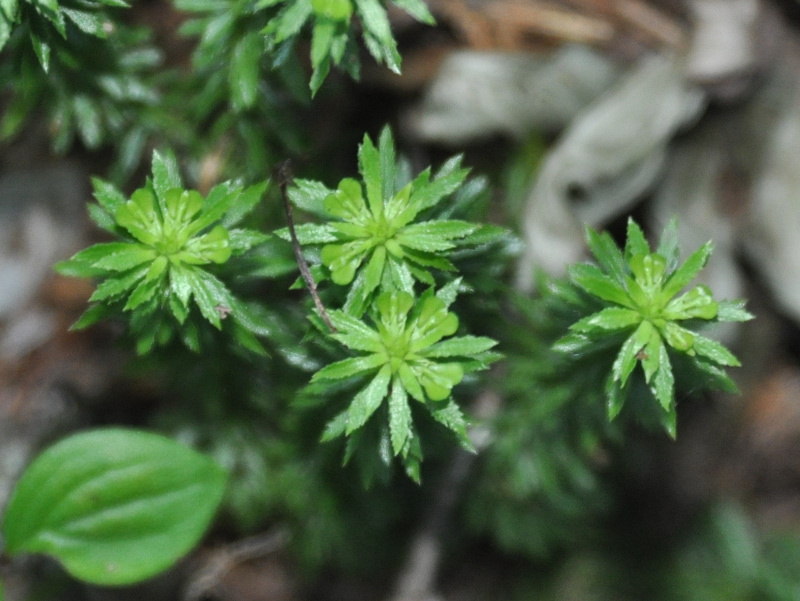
(114,506)
(244,75)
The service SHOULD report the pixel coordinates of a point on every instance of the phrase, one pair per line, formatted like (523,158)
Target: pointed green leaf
(610,318)
(452,418)
(635,243)
(668,245)
(399,418)
(417,9)
(615,397)
(596,283)
(347,368)
(711,349)
(607,254)
(369,165)
(376,23)
(733,311)
(461,346)
(628,354)
(121,256)
(244,74)
(368,400)
(663,384)
(166,174)
(686,272)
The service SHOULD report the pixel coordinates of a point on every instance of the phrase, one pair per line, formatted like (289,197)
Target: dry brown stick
(284,175)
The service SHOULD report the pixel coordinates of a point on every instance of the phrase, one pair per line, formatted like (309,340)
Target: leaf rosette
(405,352)
(170,238)
(383,235)
(648,311)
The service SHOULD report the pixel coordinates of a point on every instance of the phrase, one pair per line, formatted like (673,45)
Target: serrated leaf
(369,165)
(335,428)
(615,397)
(711,349)
(668,245)
(433,236)
(399,419)
(114,506)
(686,272)
(348,368)
(627,356)
(166,174)
(663,385)
(461,346)
(210,294)
(116,286)
(289,22)
(121,256)
(608,319)
(635,242)
(596,283)
(309,196)
(86,21)
(367,401)
(607,254)
(733,311)
(376,23)
(417,9)
(452,418)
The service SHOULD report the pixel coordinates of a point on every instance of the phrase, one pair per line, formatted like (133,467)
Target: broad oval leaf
(114,506)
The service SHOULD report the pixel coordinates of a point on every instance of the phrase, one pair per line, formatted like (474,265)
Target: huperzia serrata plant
(405,353)
(650,318)
(162,268)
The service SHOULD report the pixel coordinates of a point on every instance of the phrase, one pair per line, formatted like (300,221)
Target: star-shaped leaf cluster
(170,237)
(405,352)
(382,234)
(650,314)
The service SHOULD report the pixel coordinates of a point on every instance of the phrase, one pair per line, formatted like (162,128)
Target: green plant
(642,309)
(114,506)
(381,359)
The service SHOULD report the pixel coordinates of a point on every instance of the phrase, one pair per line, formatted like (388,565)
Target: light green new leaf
(114,506)
(367,401)
(121,256)
(417,9)
(733,311)
(628,354)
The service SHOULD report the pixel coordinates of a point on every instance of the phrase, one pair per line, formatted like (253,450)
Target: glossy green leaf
(114,506)
(663,384)
(166,174)
(348,368)
(245,71)
(607,254)
(596,283)
(711,349)
(610,318)
(399,418)
(687,272)
(462,346)
(367,401)
(635,244)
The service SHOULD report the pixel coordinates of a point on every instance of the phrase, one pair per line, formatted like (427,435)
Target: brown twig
(284,176)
